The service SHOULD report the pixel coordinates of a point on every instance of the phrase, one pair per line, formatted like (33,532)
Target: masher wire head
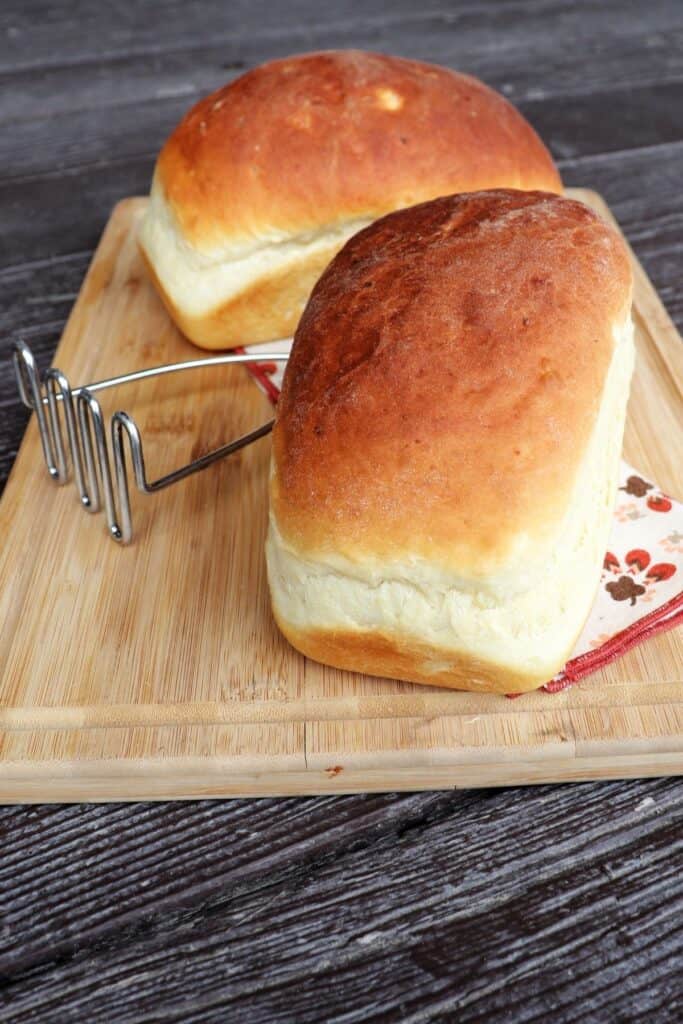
(100,476)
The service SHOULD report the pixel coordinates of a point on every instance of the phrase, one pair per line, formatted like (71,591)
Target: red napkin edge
(659,620)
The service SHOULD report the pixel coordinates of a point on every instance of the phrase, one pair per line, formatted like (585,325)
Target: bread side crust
(269,309)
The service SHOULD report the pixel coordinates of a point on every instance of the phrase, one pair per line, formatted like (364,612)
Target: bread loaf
(447,442)
(263,181)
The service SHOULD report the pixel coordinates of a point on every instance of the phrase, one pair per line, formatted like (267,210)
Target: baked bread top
(315,141)
(444,384)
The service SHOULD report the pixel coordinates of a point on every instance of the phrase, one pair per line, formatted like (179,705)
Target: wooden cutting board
(156,671)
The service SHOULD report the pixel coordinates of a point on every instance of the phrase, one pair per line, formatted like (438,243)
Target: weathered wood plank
(586,124)
(391,906)
(513,46)
(60,213)
(37,34)
(241,843)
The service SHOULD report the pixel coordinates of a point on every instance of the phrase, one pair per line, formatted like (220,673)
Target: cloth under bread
(641,589)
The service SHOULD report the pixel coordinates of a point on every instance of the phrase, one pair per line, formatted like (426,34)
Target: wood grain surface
(559,903)
(157,671)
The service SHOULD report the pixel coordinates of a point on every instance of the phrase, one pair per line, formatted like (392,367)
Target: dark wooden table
(548,904)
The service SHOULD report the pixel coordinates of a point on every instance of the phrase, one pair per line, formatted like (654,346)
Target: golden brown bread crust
(444,381)
(270,308)
(318,139)
(390,657)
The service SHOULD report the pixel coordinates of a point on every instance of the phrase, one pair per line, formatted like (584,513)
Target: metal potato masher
(99,466)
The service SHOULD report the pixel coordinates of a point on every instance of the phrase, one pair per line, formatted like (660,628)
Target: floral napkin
(641,587)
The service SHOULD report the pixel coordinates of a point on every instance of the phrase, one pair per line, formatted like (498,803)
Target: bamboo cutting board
(156,671)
